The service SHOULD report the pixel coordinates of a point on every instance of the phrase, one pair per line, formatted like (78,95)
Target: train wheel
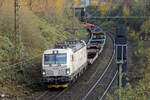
(76,76)
(79,74)
(73,80)
(85,68)
(82,71)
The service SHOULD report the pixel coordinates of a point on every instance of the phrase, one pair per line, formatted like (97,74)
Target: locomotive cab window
(55,59)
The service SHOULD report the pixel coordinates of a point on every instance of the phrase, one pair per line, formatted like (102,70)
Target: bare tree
(46,5)
(30,4)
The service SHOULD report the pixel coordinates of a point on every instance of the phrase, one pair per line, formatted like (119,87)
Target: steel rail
(109,85)
(56,95)
(92,88)
(44,93)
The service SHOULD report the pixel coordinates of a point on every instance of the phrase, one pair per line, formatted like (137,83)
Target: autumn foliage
(104,8)
(126,11)
(94,3)
(49,5)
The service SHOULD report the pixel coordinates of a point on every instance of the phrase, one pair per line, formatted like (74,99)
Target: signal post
(121,60)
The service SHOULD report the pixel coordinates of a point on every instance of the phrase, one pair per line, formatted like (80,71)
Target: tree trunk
(30,4)
(1,3)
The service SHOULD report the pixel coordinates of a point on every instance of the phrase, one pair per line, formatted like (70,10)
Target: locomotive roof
(72,44)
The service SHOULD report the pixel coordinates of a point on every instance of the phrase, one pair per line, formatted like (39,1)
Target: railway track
(50,94)
(79,88)
(100,88)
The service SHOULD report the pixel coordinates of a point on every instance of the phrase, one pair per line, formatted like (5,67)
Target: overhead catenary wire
(108,17)
(122,17)
(100,1)
(24,61)
(118,16)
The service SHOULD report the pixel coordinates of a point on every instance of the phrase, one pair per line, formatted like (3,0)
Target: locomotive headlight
(68,71)
(43,73)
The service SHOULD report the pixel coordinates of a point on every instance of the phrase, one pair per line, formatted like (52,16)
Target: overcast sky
(87,2)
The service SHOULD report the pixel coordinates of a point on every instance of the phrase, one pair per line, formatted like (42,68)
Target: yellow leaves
(60,6)
(76,2)
(145,28)
(126,11)
(104,8)
(94,3)
(56,6)
(146,23)
(147,52)
(115,6)
(133,34)
(37,6)
(24,2)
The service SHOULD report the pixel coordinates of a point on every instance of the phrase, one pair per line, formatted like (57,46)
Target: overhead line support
(17,31)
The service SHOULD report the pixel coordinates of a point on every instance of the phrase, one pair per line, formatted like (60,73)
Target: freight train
(67,60)
(64,62)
